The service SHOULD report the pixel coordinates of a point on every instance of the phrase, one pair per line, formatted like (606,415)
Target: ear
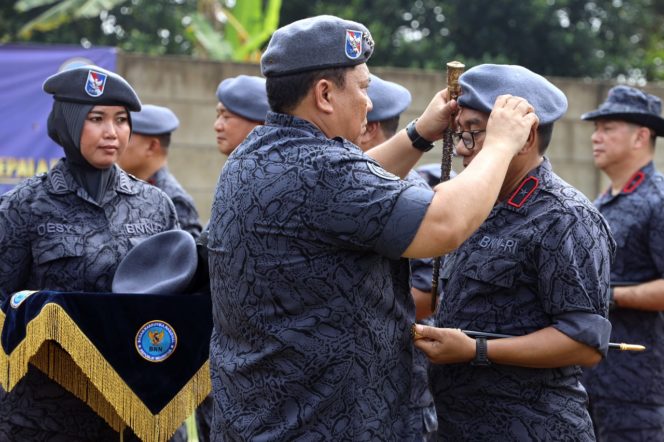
(642,137)
(154,147)
(323,90)
(531,142)
(370,134)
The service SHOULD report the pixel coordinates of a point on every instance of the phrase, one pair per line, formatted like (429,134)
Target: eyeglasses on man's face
(467,136)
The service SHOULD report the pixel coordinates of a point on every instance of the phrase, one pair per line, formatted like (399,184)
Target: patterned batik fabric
(183,202)
(312,341)
(55,236)
(540,259)
(626,381)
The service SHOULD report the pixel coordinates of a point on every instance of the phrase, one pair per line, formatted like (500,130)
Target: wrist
(417,140)
(613,304)
(481,353)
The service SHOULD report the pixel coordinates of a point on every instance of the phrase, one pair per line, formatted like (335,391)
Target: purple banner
(25,148)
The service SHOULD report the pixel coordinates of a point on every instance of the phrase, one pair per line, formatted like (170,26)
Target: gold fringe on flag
(56,346)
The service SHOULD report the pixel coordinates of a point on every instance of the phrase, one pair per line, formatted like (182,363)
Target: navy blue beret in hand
(164,263)
(316,43)
(92,85)
(245,96)
(389,99)
(482,84)
(632,105)
(154,120)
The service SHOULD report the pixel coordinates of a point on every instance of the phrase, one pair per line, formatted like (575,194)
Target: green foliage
(617,39)
(579,38)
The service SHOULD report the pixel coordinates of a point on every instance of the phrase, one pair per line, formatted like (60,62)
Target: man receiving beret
(311,336)
(146,157)
(538,269)
(627,390)
(242,106)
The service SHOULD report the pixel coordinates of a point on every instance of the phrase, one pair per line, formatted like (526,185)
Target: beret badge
(354,42)
(94,85)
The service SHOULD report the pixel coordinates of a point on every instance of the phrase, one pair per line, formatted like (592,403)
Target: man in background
(627,390)
(146,157)
(242,106)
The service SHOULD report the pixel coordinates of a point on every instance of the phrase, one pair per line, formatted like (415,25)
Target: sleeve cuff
(588,328)
(404,221)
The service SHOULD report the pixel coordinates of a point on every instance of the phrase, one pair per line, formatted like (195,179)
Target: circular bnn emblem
(18,297)
(156,341)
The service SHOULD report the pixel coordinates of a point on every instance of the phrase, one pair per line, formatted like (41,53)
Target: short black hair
(545,133)
(164,139)
(285,92)
(389,126)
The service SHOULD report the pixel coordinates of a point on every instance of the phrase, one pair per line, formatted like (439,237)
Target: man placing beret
(538,268)
(311,338)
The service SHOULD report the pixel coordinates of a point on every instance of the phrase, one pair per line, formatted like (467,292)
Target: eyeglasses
(467,136)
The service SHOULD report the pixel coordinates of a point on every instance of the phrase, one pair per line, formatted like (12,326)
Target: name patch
(156,341)
(502,244)
(143,228)
(45,228)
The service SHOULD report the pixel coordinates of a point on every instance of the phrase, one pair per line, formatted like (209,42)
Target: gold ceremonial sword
(454,71)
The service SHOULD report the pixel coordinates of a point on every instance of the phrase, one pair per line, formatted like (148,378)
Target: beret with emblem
(314,43)
(482,84)
(632,105)
(92,85)
(389,99)
(244,95)
(154,120)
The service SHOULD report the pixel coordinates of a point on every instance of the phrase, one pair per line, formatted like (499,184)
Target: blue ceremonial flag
(145,356)
(25,148)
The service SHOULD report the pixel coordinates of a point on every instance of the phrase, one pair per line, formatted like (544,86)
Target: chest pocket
(491,269)
(51,249)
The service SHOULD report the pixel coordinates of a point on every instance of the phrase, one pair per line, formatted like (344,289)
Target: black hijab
(65,126)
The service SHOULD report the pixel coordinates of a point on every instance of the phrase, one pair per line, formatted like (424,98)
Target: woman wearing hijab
(68,230)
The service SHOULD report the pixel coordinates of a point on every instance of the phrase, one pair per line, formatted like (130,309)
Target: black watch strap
(418,142)
(481,353)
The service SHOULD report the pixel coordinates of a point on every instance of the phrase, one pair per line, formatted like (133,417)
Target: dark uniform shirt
(54,236)
(541,259)
(311,338)
(636,217)
(183,202)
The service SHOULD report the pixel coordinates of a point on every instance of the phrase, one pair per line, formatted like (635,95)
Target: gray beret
(389,99)
(482,84)
(164,263)
(154,120)
(92,85)
(316,43)
(632,105)
(245,96)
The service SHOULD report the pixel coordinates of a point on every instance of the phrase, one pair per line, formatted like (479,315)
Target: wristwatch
(481,354)
(416,139)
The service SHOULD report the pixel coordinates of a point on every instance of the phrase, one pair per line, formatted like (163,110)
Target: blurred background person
(146,157)
(242,106)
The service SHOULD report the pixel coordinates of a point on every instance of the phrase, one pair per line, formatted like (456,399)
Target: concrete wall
(188,87)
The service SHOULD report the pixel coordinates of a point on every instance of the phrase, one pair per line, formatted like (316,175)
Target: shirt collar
(633,183)
(60,181)
(285,120)
(528,188)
